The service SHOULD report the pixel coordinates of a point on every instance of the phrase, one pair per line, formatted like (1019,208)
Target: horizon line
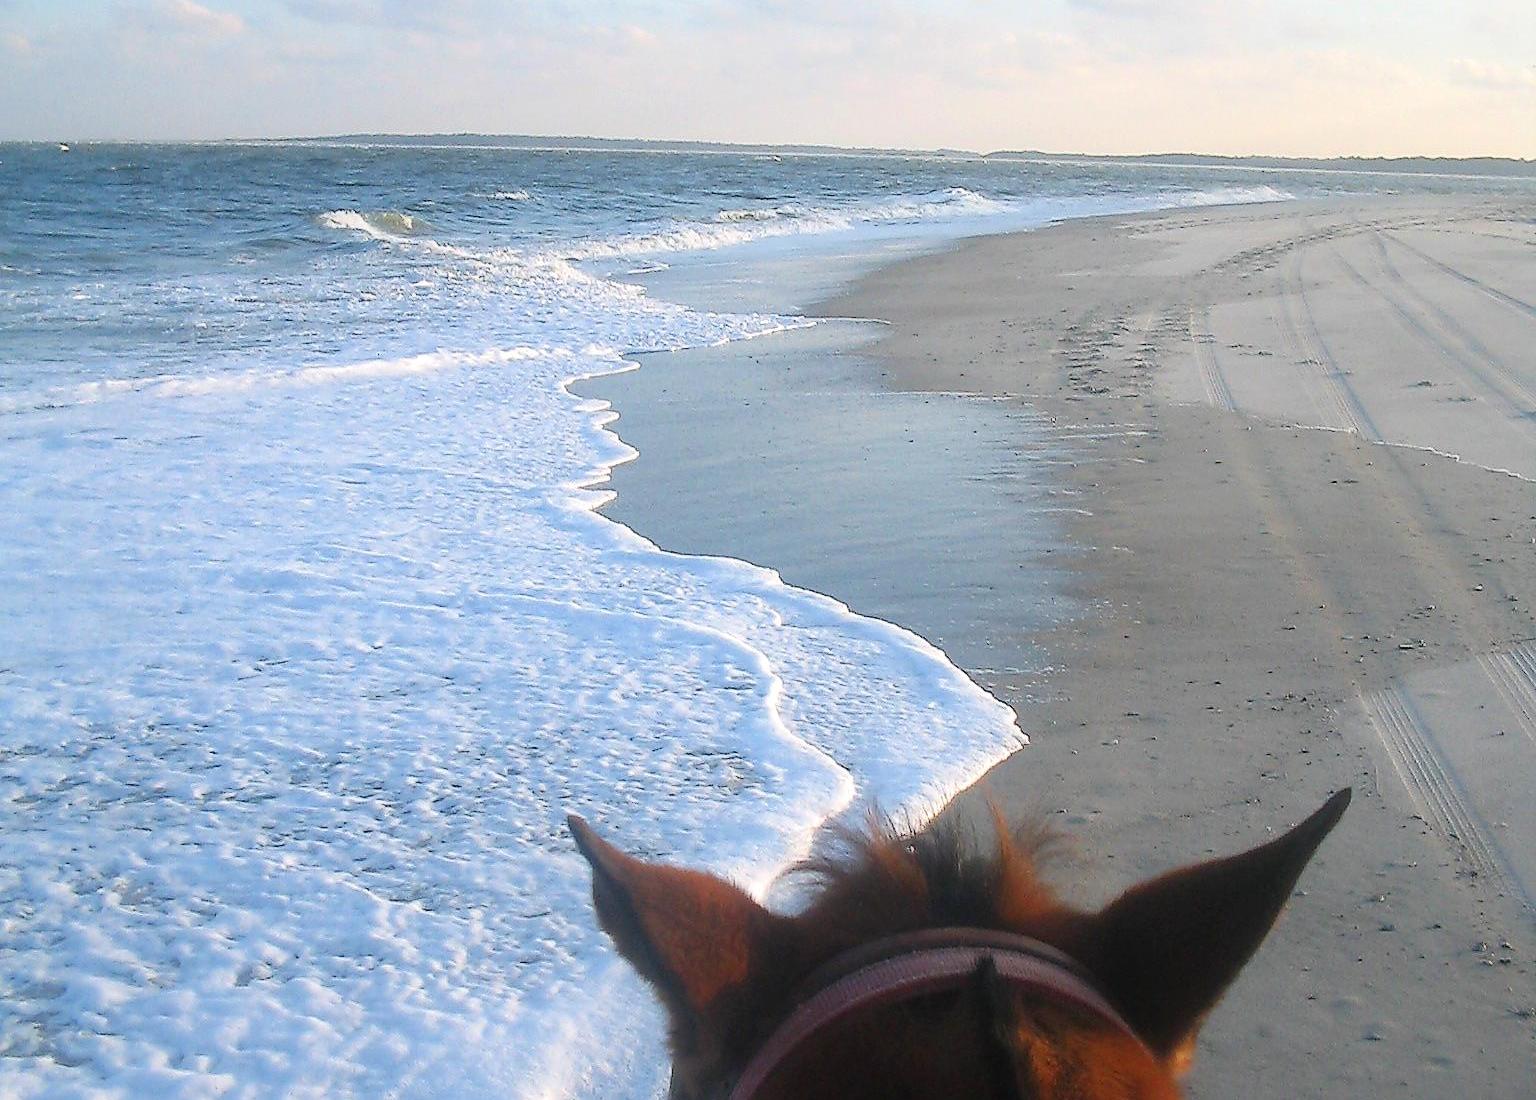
(953,151)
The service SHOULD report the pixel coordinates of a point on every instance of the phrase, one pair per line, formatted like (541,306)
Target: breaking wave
(1222,196)
(738,225)
(384,225)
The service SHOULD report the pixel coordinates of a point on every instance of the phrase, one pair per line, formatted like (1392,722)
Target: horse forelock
(883,880)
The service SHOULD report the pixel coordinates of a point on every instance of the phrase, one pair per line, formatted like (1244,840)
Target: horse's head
(924,971)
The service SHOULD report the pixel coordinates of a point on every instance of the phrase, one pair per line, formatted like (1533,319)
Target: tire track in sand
(1341,405)
(1513,673)
(1392,718)
(1411,307)
(1214,379)
(1431,786)
(1395,481)
(1517,304)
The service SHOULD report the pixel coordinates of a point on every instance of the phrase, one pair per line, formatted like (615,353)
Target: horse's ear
(1167,949)
(691,935)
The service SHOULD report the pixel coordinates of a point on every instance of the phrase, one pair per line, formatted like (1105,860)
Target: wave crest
(383,225)
(738,225)
(1224,196)
(755,214)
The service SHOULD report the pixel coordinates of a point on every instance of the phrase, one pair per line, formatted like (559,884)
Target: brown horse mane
(885,878)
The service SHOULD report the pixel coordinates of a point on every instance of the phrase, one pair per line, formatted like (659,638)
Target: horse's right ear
(1166,950)
(691,935)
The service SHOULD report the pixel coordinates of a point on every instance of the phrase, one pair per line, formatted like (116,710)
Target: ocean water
(310,636)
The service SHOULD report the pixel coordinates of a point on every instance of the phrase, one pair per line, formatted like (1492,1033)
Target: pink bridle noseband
(918,964)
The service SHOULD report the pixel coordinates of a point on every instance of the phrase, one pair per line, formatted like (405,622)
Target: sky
(1283,77)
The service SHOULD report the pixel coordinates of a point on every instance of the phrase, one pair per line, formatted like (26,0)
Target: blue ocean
(128,261)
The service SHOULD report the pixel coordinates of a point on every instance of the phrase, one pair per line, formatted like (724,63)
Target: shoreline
(1278,609)
(1266,599)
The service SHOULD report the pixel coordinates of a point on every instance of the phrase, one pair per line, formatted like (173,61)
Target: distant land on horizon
(1496,166)
(1489,166)
(581,142)
(1482,166)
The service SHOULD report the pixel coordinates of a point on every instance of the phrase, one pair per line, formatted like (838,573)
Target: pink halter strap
(918,964)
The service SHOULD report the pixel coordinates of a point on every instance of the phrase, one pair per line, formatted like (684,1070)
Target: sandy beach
(1291,536)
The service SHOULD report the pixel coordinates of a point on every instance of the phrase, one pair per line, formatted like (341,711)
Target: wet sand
(1257,611)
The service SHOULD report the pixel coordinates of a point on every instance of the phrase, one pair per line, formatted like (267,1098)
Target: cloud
(358,12)
(458,18)
(1171,11)
(1488,74)
(200,20)
(1138,8)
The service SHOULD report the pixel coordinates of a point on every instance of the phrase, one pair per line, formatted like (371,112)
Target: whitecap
(384,225)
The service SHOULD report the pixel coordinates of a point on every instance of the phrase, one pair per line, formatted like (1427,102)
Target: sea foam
(740,225)
(292,725)
(925,213)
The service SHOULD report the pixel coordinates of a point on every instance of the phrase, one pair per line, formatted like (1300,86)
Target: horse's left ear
(691,935)
(1167,949)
